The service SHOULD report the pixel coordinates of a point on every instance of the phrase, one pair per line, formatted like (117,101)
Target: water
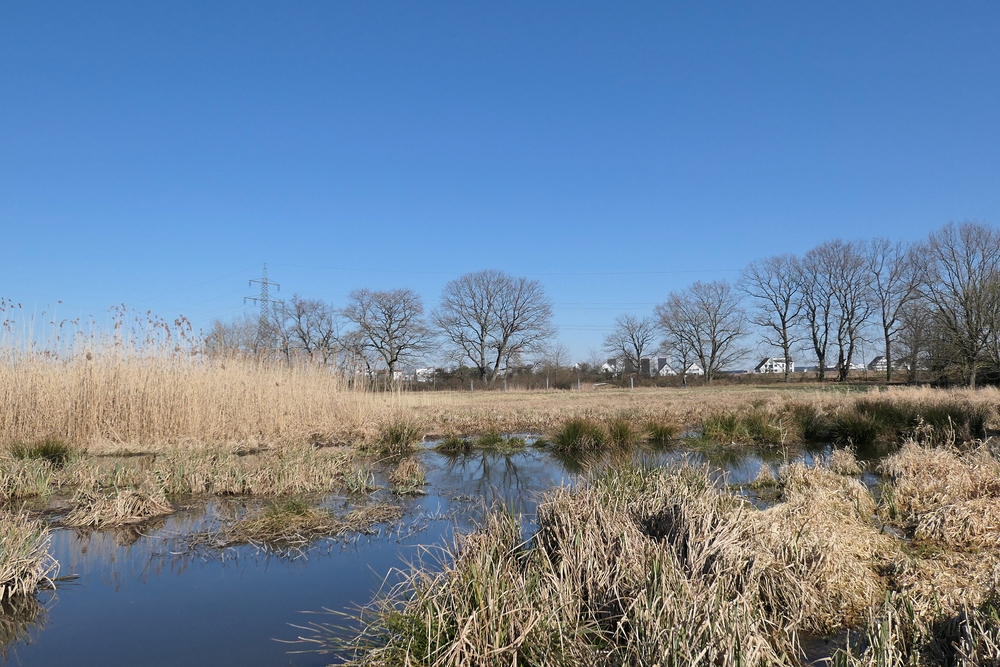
(141,598)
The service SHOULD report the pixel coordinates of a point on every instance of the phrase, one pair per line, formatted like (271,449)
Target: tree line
(933,306)
(487,319)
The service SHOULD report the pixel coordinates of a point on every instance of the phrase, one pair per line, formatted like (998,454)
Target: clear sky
(157,153)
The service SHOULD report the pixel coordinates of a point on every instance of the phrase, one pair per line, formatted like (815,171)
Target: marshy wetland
(273,522)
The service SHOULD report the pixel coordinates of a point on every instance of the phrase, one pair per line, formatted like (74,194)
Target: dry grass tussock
(97,510)
(926,479)
(294,524)
(638,567)
(24,478)
(943,607)
(843,462)
(408,477)
(25,562)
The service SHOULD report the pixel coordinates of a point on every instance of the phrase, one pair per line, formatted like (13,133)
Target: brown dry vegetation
(119,402)
(25,562)
(294,524)
(98,510)
(662,567)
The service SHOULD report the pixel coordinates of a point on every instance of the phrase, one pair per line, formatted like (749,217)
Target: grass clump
(53,450)
(398,436)
(580,434)
(490,440)
(854,428)
(25,478)
(867,421)
(659,566)
(293,524)
(128,506)
(843,462)
(661,431)
(25,561)
(621,433)
(752,427)
(454,444)
(359,480)
(407,478)
(635,566)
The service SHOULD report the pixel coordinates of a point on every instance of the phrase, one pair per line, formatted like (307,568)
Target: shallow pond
(140,597)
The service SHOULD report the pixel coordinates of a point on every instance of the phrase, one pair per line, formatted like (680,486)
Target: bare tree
(553,357)
(774,284)
(708,318)
(912,336)
(236,337)
(894,281)
(960,285)
(489,317)
(389,323)
(631,337)
(816,300)
(850,282)
(678,350)
(311,328)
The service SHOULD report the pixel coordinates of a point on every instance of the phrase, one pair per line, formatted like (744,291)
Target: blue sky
(156,154)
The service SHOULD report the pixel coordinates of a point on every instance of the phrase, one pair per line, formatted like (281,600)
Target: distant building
(656,367)
(774,365)
(879,363)
(424,374)
(695,369)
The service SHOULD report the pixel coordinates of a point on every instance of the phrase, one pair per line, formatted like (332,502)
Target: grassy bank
(641,566)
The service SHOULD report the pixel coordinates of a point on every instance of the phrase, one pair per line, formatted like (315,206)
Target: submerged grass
(294,524)
(98,510)
(408,478)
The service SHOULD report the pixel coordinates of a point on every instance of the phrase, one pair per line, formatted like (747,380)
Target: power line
(264,299)
(549,273)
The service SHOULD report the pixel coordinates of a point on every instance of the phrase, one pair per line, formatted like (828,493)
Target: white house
(774,365)
(424,374)
(695,369)
(879,363)
(656,367)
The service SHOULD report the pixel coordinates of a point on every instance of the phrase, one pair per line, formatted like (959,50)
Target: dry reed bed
(115,401)
(661,567)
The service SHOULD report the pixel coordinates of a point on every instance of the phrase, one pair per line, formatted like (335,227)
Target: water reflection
(22,619)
